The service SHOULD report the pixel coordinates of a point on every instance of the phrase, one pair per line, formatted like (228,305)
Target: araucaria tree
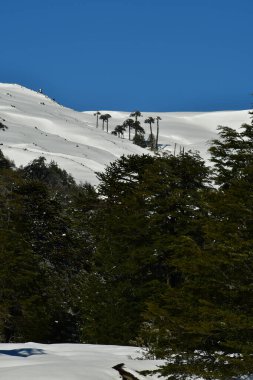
(107,117)
(158,118)
(103,118)
(97,114)
(130,124)
(152,142)
(136,114)
(138,138)
(119,130)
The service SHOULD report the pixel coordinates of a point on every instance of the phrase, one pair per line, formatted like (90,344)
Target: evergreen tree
(232,153)
(140,140)
(23,313)
(150,120)
(146,202)
(130,124)
(23,308)
(5,163)
(158,118)
(50,174)
(103,118)
(119,130)
(203,323)
(107,117)
(97,114)
(136,114)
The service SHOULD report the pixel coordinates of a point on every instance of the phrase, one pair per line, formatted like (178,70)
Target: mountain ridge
(39,126)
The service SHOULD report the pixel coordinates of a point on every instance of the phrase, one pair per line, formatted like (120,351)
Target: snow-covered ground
(38,126)
(30,361)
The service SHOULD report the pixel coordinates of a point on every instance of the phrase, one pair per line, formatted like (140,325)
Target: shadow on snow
(22,352)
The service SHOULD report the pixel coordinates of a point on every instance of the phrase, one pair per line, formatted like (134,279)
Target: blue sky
(152,55)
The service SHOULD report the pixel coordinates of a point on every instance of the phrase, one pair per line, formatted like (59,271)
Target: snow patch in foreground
(30,361)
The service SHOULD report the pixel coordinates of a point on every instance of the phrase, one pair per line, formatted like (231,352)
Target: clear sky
(152,55)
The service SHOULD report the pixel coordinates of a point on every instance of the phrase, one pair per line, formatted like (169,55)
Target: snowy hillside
(32,361)
(39,126)
(191,130)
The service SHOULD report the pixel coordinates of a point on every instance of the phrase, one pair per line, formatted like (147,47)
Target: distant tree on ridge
(97,114)
(103,118)
(158,118)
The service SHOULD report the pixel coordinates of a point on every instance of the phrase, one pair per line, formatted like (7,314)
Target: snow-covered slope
(191,130)
(39,126)
(30,361)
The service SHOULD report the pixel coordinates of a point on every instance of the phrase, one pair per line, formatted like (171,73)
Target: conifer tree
(103,118)
(130,124)
(97,114)
(158,118)
(136,114)
(202,323)
(147,202)
(151,140)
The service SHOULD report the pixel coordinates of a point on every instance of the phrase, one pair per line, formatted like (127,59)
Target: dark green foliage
(202,323)
(5,163)
(151,140)
(174,266)
(136,125)
(232,153)
(140,140)
(97,115)
(104,118)
(158,118)
(49,174)
(46,246)
(22,315)
(136,114)
(129,123)
(148,200)
(119,130)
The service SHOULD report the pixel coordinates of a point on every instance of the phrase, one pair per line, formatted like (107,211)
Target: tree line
(133,124)
(159,255)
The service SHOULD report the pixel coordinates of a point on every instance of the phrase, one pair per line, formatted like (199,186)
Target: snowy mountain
(38,126)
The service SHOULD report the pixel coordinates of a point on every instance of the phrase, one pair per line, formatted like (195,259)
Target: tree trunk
(136,119)
(157,135)
(151,132)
